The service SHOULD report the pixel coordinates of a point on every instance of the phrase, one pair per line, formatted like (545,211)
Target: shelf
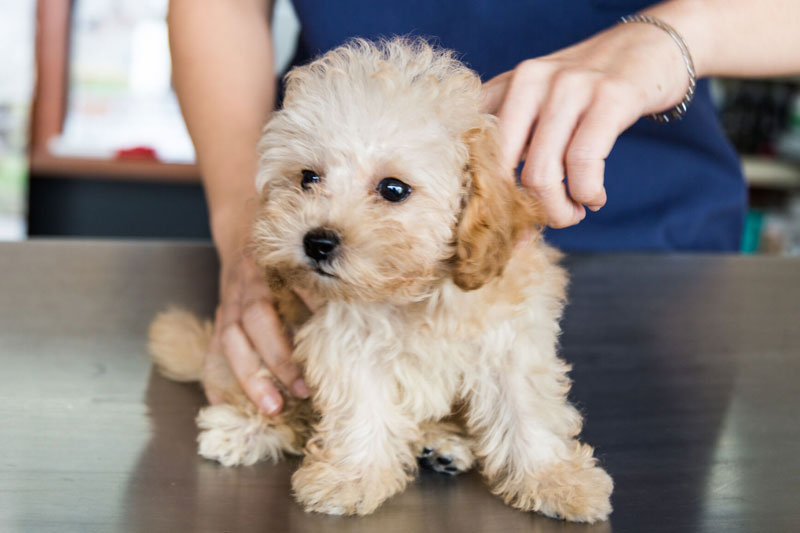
(127,169)
(49,108)
(770,173)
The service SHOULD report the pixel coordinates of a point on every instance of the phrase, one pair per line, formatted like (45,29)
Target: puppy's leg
(361,452)
(236,432)
(525,432)
(240,435)
(444,447)
(354,468)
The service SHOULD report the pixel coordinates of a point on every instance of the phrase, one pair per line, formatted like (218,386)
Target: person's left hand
(563,112)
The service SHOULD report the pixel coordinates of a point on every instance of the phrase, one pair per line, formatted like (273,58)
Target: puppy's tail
(179,343)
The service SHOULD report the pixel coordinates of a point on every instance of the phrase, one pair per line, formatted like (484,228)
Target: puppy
(383,194)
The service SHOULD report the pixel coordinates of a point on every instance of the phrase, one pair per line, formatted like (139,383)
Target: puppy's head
(380,178)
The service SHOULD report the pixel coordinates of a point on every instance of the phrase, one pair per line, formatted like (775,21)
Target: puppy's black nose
(320,244)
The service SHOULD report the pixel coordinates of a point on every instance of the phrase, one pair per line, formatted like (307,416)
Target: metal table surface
(686,368)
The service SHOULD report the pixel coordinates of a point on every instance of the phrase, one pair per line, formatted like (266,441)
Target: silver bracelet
(677,112)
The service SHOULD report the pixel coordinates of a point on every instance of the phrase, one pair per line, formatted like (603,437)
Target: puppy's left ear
(496,214)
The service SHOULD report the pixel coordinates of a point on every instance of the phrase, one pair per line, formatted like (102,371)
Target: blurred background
(92,143)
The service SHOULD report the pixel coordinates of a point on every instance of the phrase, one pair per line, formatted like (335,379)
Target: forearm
(737,38)
(224,78)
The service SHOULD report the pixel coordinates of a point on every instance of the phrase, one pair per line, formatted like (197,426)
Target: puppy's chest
(406,351)
(429,369)
(379,334)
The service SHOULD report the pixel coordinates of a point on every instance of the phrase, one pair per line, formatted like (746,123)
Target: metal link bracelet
(677,112)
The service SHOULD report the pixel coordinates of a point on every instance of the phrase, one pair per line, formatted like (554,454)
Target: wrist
(690,19)
(677,111)
(230,229)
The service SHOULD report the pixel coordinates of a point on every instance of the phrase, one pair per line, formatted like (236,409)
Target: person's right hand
(248,333)
(561,114)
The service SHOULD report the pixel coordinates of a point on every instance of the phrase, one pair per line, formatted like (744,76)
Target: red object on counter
(137,152)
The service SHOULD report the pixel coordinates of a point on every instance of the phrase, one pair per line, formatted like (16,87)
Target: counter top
(686,368)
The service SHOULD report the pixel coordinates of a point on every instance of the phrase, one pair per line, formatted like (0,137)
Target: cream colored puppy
(383,195)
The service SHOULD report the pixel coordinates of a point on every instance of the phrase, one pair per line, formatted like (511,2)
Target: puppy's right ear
(496,214)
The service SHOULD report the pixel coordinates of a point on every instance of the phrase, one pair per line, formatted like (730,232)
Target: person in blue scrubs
(569,86)
(674,186)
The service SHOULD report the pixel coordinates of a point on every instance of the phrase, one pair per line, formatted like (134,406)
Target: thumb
(493,92)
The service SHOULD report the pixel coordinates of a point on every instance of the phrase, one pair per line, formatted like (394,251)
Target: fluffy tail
(179,343)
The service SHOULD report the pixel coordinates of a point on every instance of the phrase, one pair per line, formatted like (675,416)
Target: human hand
(249,335)
(562,113)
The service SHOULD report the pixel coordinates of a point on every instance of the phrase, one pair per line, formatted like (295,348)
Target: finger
(586,175)
(265,331)
(493,92)
(585,182)
(519,111)
(561,211)
(245,364)
(591,144)
(544,171)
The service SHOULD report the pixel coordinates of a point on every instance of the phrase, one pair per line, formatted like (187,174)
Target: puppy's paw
(324,488)
(233,437)
(575,490)
(580,496)
(444,449)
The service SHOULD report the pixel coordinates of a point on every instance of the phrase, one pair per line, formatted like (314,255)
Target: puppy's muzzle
(320,244)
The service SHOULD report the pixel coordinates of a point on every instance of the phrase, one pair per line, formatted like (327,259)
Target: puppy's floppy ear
(496,214)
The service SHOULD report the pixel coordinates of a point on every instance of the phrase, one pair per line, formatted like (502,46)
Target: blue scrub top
(677,186)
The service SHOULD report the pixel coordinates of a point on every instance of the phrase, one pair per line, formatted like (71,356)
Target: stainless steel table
(686,367)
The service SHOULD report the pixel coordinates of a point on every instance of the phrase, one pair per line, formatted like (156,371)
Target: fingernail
(270,404)
(299,388)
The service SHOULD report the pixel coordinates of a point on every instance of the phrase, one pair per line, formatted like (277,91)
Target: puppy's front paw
(576,490)
(325,488)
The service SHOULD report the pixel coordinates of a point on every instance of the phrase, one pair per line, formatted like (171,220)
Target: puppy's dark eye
(309,178)
(393,190)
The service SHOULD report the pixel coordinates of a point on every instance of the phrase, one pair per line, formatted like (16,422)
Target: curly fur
(431,302)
